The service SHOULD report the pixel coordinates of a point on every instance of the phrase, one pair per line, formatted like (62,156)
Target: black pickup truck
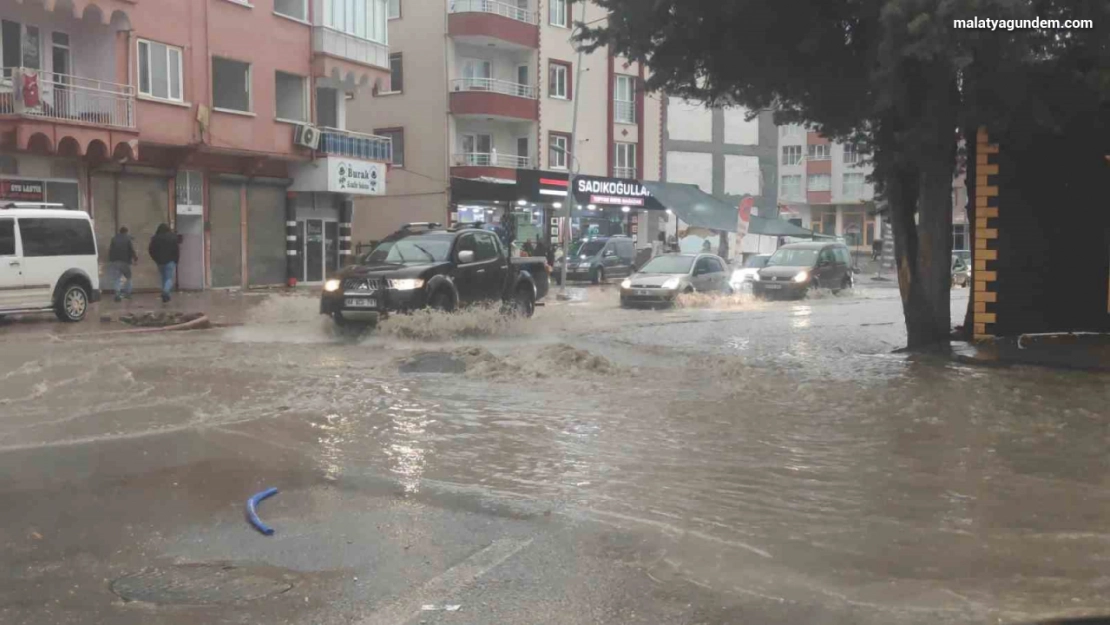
(427,266)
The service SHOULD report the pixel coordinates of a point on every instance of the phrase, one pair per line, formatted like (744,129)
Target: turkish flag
(30,90)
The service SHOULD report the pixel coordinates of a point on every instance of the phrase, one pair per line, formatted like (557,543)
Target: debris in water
(252,511)
(440,608)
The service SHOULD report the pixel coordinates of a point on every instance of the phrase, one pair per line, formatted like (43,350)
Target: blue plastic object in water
(252,510)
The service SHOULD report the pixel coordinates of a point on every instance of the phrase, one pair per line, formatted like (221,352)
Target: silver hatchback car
(664,277)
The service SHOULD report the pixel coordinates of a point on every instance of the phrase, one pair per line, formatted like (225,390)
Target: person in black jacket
(165,251)
(121,255)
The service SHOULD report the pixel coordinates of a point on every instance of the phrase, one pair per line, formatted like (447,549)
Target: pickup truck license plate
(361,302)
(772,286)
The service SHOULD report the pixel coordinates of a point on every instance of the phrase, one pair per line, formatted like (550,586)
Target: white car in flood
(48,261)
(743,277)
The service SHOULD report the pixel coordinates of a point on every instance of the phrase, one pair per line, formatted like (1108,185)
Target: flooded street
(723,462)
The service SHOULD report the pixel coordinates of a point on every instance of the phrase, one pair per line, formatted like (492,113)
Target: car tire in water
(443,301)
(73,303)
(523,303)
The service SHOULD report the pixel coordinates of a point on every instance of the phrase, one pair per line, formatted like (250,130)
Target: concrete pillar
(292,254)
(346,215)
(839,220)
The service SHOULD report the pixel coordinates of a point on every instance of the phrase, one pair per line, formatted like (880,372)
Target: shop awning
(694,206)
(701,210)
(471,191)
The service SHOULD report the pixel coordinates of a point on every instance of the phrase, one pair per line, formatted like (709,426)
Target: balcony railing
(624,112)
(624,172)
(66,98)
(491,159)
(337,142)
(491,85)
(326,40)
(497,8)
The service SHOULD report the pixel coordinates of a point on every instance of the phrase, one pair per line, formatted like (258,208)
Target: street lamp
(575,165)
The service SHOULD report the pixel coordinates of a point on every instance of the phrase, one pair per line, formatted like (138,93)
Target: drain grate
(198,584)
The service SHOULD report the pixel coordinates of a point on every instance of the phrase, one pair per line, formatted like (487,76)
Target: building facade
(726,155)
(823,187)
(482,90)
(222,118)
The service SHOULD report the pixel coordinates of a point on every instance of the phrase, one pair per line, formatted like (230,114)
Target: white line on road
(446,584)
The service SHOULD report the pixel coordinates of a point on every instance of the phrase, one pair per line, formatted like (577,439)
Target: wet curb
(1061,351)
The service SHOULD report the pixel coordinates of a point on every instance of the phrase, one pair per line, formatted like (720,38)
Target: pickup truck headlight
(332,286)
(406,285)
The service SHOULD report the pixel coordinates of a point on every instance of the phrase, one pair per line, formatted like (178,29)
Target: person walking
(121,255)
(165,251)
(876,249)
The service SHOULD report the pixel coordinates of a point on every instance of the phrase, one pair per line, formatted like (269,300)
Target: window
(398,137)
(327,107)
(826,257)
(851,155)
(559,146)
(394,9)
(477,150)
(624,160)
(559,80)
(791,154)
(160,71)
(959,237)
(7,237)
(790,130)
(715,266)
(292,97)
(296,9)
(702,267)
(559,13)
(189,188)
(485,247)
(624,100)
(842,256)
(626,250)
(231,85)
(22,45)
(791,188)
(819,182)
(819,152)
(362,18)
(477,74)
(56,237)
(396,73)
(853,185)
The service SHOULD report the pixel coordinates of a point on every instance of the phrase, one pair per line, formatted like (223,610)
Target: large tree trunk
(920,191)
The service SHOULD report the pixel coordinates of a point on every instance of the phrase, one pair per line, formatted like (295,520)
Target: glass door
(331,246)
(314,250)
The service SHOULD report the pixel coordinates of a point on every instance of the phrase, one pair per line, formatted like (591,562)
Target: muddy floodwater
(727,461)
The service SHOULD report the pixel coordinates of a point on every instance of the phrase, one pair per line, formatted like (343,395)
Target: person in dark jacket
(165,251)
(121,255)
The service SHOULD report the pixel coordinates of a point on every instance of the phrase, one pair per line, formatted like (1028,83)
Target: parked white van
(48,260)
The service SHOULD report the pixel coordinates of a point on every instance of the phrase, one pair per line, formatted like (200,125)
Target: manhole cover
(198,584)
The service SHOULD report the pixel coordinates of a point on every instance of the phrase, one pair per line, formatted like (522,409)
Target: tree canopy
(895,77)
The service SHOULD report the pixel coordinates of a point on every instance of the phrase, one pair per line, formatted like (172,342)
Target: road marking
(446,584)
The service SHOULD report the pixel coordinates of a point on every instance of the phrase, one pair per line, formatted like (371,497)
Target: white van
(48,260)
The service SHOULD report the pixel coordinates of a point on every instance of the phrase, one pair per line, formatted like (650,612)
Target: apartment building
(480,110)
(823,186)
(726,155)
(223,118)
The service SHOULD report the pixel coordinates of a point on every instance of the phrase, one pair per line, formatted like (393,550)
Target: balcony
(488,165)
(350,59)
(491,98)
(488,22)
(335,142)
(625,172)
(68,99)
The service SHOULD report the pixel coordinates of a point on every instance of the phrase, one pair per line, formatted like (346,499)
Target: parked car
(48,261)
(748,273)
(797,268)
(664,277)
(961,272)
(424,265)
(599,258)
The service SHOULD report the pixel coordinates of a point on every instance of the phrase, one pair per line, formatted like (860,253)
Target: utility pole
(570,203)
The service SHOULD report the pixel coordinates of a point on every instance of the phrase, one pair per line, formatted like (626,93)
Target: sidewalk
(1085,351)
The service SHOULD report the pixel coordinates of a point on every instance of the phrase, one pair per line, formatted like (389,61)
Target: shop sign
(356,177)
(23,190)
